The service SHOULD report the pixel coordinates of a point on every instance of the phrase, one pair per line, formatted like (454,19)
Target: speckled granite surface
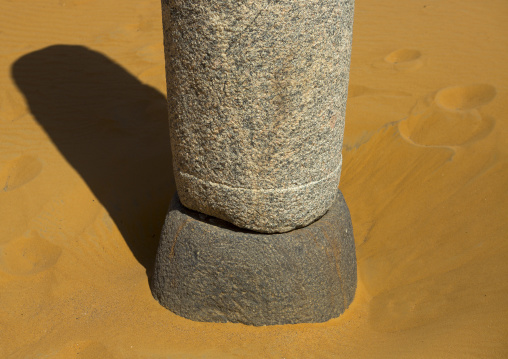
(209,270)
(257,95)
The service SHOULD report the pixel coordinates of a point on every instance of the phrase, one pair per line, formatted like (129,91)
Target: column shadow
(112,129)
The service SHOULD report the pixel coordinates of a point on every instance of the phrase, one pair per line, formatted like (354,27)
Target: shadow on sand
(112,129)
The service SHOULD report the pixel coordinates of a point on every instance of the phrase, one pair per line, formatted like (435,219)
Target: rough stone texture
(257,96)
(209,270)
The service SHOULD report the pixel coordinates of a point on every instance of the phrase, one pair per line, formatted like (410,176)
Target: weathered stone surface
(257,96)
(209,270)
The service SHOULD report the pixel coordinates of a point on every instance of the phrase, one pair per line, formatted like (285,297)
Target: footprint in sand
(131,30)
(81,349)
(410,306)
(28,255)
(359,90)
(464,98)
(152,53)
(401,60)
(73,3)
(19,171)
(450,117)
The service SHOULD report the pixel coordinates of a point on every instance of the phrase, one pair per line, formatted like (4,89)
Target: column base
(209,270)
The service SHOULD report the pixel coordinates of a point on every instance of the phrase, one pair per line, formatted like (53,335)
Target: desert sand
(86,179)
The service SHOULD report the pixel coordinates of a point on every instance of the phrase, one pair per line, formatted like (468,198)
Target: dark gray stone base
(209,270)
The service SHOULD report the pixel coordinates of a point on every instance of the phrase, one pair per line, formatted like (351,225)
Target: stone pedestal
(209,270)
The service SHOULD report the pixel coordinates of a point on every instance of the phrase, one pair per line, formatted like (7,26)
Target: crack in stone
(172,251)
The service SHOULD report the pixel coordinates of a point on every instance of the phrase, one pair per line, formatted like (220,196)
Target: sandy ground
(85,181)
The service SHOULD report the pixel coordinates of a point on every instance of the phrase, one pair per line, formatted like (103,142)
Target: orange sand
(85,182)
